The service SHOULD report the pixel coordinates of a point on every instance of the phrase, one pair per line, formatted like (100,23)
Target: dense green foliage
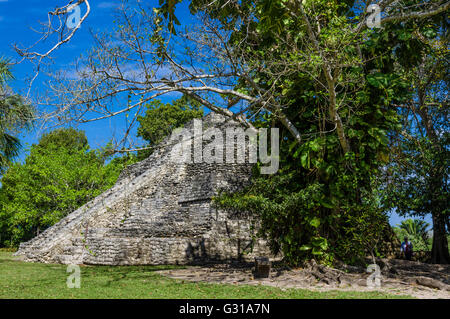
(27,280)
(59,175)
(298,221)
(15,115)
(160,119)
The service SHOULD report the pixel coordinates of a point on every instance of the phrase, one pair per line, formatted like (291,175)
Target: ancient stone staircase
(158,212)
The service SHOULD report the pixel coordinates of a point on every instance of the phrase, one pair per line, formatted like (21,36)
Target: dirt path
(398,277)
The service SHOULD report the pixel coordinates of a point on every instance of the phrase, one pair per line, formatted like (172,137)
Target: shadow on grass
(116,274)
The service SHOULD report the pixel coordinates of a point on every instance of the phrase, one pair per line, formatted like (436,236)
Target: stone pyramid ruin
(158,212)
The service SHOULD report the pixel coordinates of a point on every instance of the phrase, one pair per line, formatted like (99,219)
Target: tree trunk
(439,251)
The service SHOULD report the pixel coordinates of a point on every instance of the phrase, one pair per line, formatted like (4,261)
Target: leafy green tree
(59,175)
(15,115)
(161,119)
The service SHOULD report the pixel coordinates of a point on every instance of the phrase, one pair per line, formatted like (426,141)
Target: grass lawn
(29,280)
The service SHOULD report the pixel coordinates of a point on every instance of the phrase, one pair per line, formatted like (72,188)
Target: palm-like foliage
(415,228)
(15,114)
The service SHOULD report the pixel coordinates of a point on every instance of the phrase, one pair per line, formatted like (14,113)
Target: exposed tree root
(392,270)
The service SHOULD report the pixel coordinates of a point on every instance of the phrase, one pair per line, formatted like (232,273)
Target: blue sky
(16,19)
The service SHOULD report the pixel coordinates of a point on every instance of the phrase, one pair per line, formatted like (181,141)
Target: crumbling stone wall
(159,212)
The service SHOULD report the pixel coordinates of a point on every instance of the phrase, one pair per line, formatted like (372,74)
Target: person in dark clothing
(407,248)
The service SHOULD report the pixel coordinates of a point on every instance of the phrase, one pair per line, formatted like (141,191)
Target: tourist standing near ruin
(407,248)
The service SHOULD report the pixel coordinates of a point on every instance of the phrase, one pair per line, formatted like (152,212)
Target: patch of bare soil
(397,277)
